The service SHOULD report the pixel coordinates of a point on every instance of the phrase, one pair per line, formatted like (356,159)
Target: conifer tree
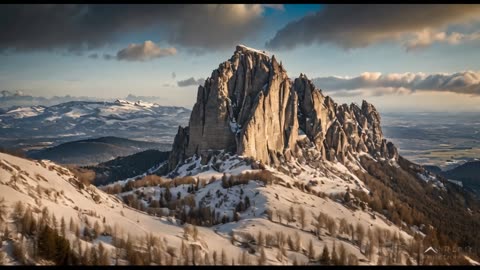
(360,234)
(206,259)
(46,243)
(194,255)
(292,214)
(28,222)
(151,240)
(214,257)
(302,217)
(243,258)
(18,252)
(54,222)
(223,259)
(77,230)
(334,258)
(86,258)
(3,210)
(263,258)
(311,251)
(3,257)
(86,234)
(325,258)
(17,214)
(168,194)
(185,253)
(62,251)
(94,256)
(6,233)
(298,242)
(195,233)
(63,227)
(104,257)
(260,239)
(96,230)
(71,225)
(118,253)
(129,251)
(342,258)
(247,202)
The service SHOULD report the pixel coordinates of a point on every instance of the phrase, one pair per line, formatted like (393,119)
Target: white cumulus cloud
(376,83)
(427,37)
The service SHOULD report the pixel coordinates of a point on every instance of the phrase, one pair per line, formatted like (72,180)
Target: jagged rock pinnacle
(250,107)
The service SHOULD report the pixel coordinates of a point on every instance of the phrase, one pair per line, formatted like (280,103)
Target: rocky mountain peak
(250,107)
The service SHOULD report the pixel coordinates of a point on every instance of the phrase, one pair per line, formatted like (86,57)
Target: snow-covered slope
(21,179)
(276,203)
(276,198)
(39,184)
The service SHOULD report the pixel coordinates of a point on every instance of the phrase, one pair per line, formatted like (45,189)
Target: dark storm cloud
(190,81)
(79,27)
(356,26)
(466,82)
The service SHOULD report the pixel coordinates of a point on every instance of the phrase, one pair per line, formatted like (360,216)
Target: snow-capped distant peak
(23,112)
(136,103)
(122,101)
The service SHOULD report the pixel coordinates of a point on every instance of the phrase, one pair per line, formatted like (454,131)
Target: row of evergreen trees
(42,237)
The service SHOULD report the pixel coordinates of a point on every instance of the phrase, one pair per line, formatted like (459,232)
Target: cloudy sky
(400,57)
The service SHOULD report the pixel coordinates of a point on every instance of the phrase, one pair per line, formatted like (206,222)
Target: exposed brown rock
(180,144)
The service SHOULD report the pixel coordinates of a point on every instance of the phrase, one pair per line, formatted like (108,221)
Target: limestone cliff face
(315,111)
(246,106)
(250,107)
(271,127)
(180,144)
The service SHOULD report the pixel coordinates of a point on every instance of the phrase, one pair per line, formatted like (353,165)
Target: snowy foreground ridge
(39,184)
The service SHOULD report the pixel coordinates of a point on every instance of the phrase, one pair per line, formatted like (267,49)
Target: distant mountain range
(9,99)
(37,127)
(93,151)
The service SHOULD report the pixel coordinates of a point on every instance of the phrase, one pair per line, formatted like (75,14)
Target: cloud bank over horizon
(378,84)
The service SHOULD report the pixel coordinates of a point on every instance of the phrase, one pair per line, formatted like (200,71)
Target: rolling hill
(94,151)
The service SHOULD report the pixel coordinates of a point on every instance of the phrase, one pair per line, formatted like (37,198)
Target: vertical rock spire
(249,106)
